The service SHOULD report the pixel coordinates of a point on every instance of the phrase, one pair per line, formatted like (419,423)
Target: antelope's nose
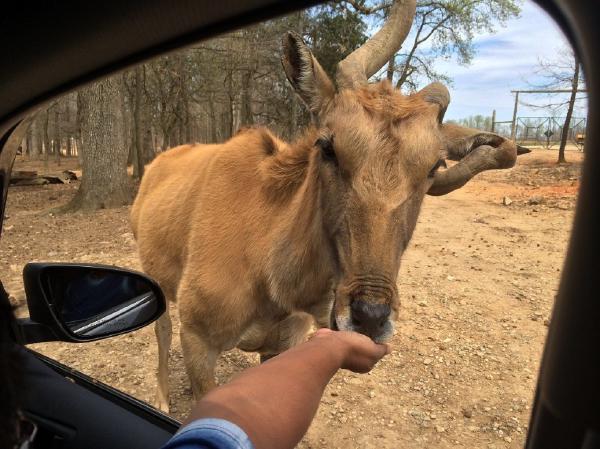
(369,318)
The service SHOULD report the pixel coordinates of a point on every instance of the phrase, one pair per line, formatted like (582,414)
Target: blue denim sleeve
(210,433)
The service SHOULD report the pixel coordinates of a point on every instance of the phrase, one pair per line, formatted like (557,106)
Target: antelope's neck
(303,259)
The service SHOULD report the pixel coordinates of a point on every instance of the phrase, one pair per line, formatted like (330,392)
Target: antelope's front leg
(200,359)
(321,310)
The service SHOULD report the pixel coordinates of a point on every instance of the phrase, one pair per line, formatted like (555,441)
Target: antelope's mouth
(346,324)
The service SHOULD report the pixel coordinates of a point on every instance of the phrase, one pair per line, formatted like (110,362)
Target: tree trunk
(173,137)
(164,143)
(125,114)
(294,103)
(391,68)
(406,70)
(246,117)
(46,139)
(565,129)
(148,148)
(35,150)
(213,119)
(138,156)
(104,182)
(184,103)
(149,133)
(27,140)
(79,151)
(56,141)
(229,112)
(81,109)
(69,127)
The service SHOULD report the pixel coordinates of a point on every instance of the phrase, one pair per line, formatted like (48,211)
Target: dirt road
(477,286)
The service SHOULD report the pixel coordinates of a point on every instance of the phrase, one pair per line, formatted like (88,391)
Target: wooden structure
(534,91)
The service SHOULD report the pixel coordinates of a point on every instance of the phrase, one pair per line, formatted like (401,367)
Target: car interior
(55,47)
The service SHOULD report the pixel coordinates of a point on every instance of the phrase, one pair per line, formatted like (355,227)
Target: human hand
(359,353)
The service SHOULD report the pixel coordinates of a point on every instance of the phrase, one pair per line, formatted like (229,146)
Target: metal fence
(544,131)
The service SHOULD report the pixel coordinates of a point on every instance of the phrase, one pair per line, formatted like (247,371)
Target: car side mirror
(86,302)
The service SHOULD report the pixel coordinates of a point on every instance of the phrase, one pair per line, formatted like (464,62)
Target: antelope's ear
(305,74)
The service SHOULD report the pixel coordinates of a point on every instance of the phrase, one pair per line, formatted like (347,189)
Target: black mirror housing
(86,302)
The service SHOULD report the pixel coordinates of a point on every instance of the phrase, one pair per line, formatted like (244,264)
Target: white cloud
(505,61)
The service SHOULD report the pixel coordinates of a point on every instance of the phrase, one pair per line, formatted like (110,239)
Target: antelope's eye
(438,164)
(325,144)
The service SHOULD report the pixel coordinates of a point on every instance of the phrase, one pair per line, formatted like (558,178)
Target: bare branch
(361,8)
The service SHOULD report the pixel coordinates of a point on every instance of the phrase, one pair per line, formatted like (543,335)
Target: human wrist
(337,349)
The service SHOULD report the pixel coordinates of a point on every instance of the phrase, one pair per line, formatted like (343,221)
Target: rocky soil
(477,286)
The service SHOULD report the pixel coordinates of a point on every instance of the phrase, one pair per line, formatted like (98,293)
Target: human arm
(274,403)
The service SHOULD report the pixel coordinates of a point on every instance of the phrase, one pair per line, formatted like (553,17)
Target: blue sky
(504,61)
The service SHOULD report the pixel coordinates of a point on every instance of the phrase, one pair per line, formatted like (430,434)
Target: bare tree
(45,136)
(563,72)
(476,122)
(35,148)
(138,126)
(105,182)
(206,93)
(567,124)
(56,137)
(442,28)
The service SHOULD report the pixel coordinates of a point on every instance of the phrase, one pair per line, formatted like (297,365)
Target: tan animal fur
(257,238)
